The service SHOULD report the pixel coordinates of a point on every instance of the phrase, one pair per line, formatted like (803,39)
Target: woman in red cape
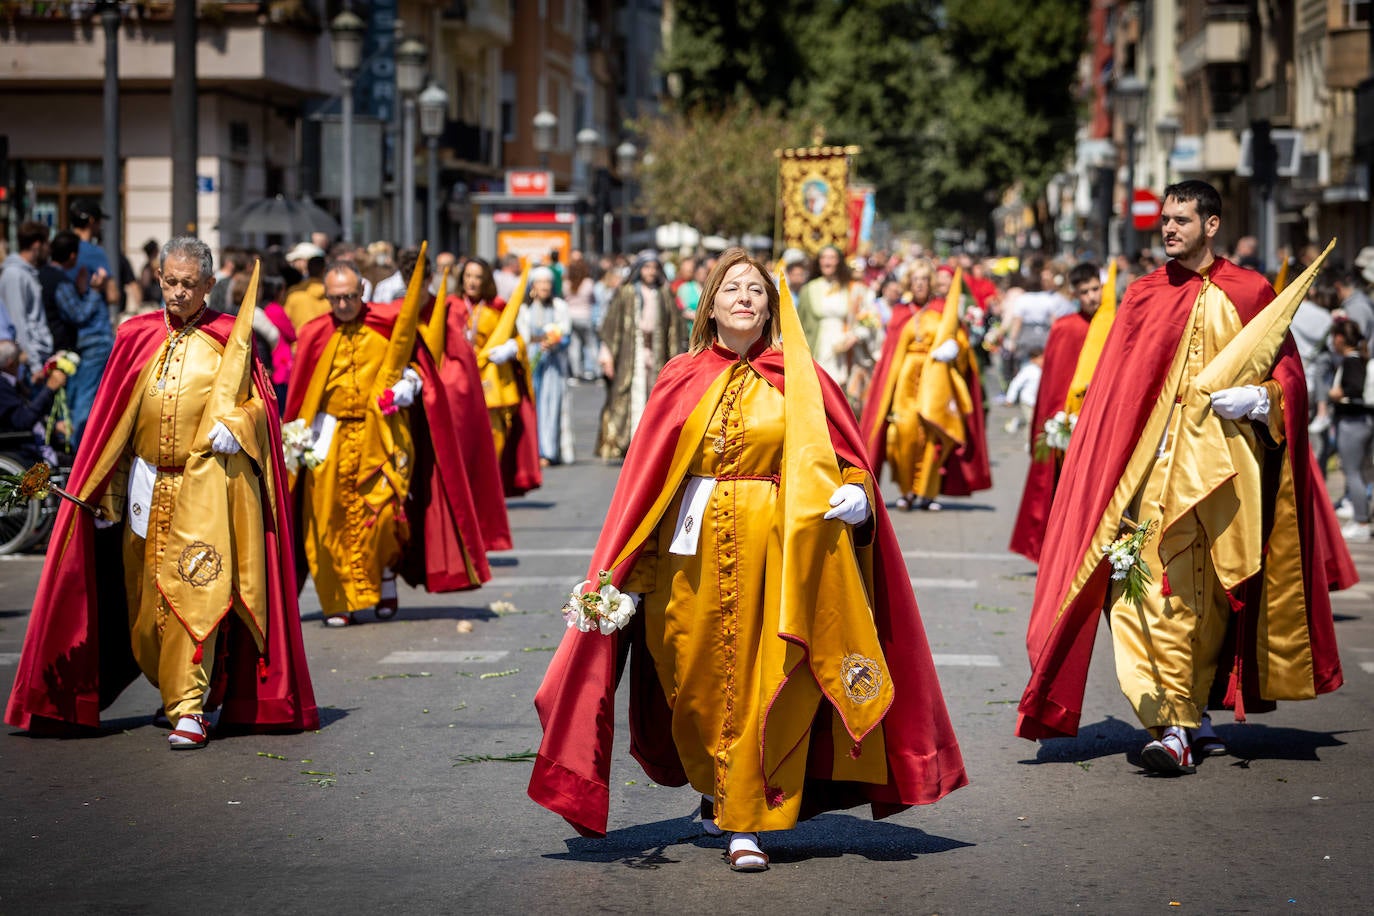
(576,702)
(77,658)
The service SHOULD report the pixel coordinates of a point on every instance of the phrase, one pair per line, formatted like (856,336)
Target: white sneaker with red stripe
(1170,755)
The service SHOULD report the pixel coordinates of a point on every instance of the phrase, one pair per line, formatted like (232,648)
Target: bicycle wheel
(17,526)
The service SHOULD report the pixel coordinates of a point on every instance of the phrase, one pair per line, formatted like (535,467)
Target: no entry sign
(1145,209)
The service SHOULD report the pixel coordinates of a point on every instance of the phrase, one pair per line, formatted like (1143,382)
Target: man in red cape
(447,549)
(1283,612)
(1061,359)
(77,657)
(576,702)
(967,470)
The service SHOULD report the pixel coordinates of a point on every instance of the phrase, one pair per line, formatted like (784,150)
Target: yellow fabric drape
(943,399)
(351,501)
(1088,357)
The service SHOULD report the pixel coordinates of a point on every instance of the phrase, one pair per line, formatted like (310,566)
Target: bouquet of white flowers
(1055,436)
(604,608)
(1127,565)
(298,446)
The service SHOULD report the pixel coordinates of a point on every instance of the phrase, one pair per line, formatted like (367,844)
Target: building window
(1355,12)
(56,184)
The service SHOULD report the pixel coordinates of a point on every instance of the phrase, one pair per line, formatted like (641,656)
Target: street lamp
(1167,129)
(113,222)
(346,42)
(433,113)
(410,76)
(625,155)
(545,124)
(1128,96)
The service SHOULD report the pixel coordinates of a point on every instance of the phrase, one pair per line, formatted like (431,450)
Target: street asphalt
(403,801)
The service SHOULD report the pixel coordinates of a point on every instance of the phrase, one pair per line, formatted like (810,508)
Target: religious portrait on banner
(813,199)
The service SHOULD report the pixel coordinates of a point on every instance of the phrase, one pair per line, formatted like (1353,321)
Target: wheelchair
(26,526)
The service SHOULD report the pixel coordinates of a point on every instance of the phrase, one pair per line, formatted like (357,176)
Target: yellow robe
(305,302)
(1167,648)
(915,448)
(499,385)
(354,526)
(159,427)
(712,628)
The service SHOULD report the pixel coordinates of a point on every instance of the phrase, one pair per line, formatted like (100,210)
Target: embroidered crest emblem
(863,678)
(401,461)
(687,525)
(199,564)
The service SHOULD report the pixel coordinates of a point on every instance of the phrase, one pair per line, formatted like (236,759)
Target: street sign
(1145,209)
(529,184)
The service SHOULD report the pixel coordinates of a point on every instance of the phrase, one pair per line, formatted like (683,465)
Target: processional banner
(813,197)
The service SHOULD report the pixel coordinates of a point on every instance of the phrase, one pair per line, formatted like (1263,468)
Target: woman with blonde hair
(778,661)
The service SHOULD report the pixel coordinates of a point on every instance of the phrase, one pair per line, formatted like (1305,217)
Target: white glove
(223,441)
(947,352)
(1251,401)
(403,392)
(101,522)
(850,504)
(503,353)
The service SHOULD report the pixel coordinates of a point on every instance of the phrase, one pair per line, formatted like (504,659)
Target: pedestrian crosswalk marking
(966,661)
(918,583)
(9,658)
(441,657)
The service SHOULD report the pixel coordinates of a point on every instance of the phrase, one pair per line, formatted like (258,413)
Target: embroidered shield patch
(199,564)
(863,678)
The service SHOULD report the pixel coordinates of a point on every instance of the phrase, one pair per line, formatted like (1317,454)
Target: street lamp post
(1128,95)
(625,155)
(410,76)
(346,42)
(1167,129)
(114,219)
(545,125)
(588,140)
(433,112)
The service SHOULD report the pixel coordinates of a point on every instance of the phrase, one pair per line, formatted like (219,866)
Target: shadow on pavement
(827,836)
(1247,742)
(1101,739)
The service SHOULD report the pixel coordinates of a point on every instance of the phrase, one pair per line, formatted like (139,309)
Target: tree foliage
(716,170)
(953,101)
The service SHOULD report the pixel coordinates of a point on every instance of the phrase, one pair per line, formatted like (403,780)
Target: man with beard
(1186,509)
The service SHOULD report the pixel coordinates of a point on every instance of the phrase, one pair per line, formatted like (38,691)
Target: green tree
(715,169)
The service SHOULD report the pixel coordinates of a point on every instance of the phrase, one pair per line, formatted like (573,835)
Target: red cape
(576,701)
(1134,366)
(519,459)
(968,470)
(440,505)
(72,667)
(1061,360)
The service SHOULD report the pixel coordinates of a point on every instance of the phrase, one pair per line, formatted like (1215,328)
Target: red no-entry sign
(1145,209)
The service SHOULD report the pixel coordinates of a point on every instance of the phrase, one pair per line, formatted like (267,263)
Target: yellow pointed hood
(1092,345)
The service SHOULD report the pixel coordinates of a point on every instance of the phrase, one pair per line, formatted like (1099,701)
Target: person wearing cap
(641,331)
(546,328)
(184,571)
(796,270)
(777,660)
(84,217)
(299,258)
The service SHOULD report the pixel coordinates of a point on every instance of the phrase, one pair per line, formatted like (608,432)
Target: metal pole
(1128,240)
(625,214)
(186,118)
(109,18)
(408,173)
(346,192)
(433,199)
